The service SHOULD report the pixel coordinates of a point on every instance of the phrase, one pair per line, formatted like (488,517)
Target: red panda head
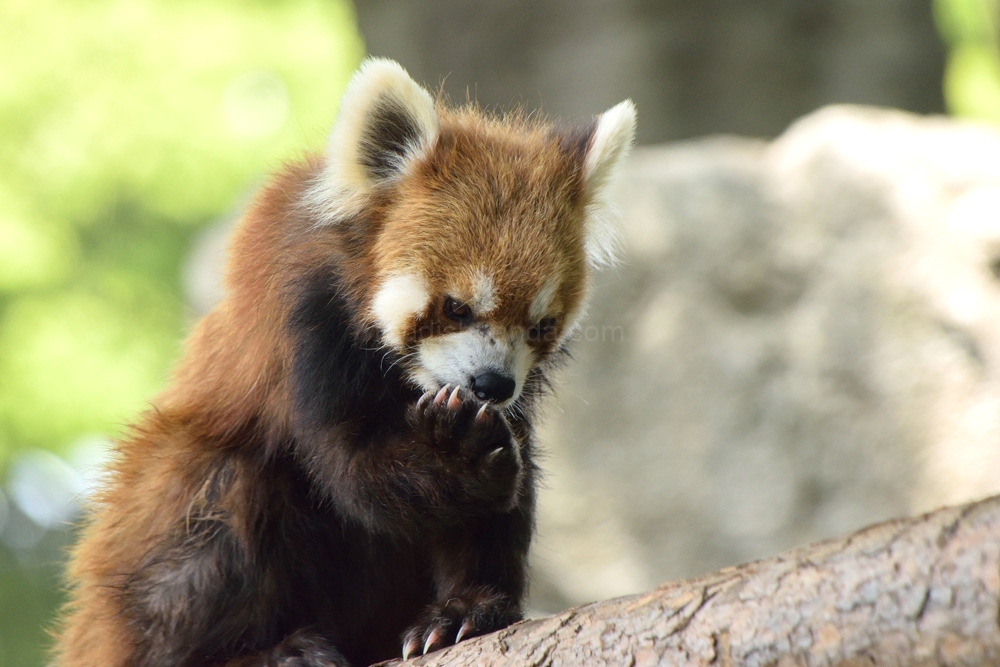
(482,231)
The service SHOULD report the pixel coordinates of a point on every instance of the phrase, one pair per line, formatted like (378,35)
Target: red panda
(342,468)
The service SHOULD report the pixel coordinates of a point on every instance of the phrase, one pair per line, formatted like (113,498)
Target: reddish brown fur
(230,377)
(219,448)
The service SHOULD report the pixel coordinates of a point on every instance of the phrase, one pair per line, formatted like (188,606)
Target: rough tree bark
(923,591)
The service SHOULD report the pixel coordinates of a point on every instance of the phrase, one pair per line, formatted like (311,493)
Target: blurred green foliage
(29,594)
(126,126)
(971,29)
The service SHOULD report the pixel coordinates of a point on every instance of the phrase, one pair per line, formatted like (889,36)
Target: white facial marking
(484,293)
(457,357)
(398,299)
(542,303)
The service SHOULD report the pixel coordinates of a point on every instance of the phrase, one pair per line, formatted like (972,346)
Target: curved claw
(455,402)
(410,647)
(462,631)
(442,393)
(494,455)
(481,415)
(427,395)
(432,639)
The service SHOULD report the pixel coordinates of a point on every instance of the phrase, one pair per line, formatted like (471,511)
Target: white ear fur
(385,120)
(610,144)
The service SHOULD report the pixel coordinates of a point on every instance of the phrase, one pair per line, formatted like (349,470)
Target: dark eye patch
(456,311)
(543,331)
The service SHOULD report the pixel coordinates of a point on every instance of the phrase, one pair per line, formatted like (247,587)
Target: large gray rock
(804,339)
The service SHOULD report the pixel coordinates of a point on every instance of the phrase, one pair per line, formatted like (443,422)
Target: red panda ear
(609,144)
(385,120)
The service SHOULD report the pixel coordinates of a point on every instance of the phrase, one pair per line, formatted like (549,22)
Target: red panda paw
(449,622)
(475,439)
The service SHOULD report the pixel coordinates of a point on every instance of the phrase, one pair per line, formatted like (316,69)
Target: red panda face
(484,229)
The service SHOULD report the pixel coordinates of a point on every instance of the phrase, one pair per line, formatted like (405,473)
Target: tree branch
(923,591)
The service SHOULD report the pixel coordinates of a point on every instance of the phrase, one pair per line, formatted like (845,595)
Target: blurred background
(805,337)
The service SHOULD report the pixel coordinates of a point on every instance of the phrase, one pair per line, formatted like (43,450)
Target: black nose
(491,386)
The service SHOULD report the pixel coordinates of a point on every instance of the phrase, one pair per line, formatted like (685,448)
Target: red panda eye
(459,312)
(543,330)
